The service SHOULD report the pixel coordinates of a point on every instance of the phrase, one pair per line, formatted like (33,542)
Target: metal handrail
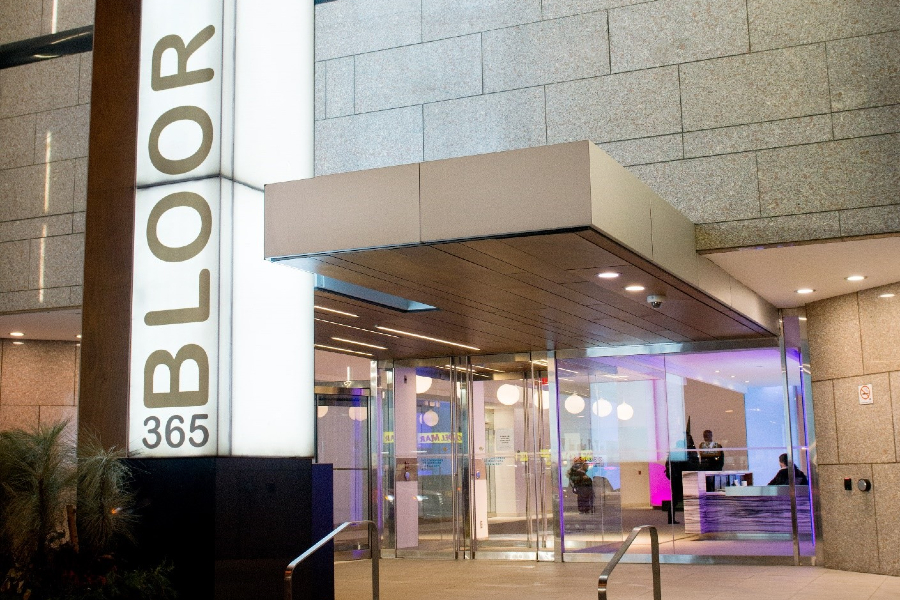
(373,545)
(603,581)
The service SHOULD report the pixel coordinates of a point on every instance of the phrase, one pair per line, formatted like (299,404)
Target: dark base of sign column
(230,526)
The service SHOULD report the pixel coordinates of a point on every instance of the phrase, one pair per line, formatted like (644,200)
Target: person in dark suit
(783,477)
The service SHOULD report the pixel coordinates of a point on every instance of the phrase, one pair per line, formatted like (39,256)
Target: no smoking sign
(866,395)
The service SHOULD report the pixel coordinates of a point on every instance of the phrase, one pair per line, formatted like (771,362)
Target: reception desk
(740,508)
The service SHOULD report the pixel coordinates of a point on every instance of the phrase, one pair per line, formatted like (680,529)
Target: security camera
(656,300)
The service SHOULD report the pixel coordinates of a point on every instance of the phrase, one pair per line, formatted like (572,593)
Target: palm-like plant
(105,499)
(38,473)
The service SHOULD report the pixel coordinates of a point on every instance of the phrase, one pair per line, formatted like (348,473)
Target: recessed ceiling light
(634,288)
(730,410)
(335,311)
(717,370)
(18,343)
(16,334)
(324,347)
(608,275)
(805,291)
(425,337)
(732,376)
(887,295)
(802,318)
(856,278)
(78,336)
(354,327)
(345,340)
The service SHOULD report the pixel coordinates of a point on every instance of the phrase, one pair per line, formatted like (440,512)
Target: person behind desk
(711,459)
(783,477)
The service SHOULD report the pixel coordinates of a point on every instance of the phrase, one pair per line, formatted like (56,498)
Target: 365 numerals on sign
(174,434)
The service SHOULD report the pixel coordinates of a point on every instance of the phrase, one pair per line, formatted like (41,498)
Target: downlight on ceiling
(887,295)
(634,288)
(608,275)
(805,291)
(16,334)
(855,278)
(425,337)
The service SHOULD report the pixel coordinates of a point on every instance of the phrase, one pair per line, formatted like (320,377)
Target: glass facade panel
(528,457)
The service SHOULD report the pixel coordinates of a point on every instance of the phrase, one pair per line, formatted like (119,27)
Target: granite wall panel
(863,71)
(85,75)
(488,123)
(57,261)
(369,141)
(781,23)
(451,18)
(357,26)
(717,188)
(19,417)
(553,9)
(62,15)
(886,485)
(14,266)
(879,320)
(682,31)
(339,87)
(38,190)
(546,52)
(826,423)
(834,338)
(39,86)
(865,432)
(17,141)
(829,176)
(418,74)
(26,229)
(848,521)
(20,20)
(615,107)
(642,151)
(870,121)
(876,220)
(768,230)
(751,88)
(758,136)
(37,373)
(61,134)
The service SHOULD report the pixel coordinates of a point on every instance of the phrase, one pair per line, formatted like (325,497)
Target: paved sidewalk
(452,580)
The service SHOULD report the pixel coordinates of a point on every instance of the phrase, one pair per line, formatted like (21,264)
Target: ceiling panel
(515,294)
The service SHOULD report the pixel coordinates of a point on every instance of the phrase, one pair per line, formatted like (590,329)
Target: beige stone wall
(763,121)
(38,384)
(44,115)
(854,341)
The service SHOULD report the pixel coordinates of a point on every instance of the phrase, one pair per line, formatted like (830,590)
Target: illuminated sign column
(222,343)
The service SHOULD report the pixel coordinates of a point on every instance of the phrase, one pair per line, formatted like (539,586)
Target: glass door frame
(536,493)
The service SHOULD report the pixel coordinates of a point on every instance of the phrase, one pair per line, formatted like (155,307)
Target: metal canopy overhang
(507,247)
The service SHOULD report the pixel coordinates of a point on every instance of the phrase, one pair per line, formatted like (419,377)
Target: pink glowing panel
(659,485)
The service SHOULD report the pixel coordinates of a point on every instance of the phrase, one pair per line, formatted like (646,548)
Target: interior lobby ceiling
(514,294)
(777,273)
(43,325)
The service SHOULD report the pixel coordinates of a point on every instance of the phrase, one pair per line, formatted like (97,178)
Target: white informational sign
(221,340)
(866,394)
(503,440)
